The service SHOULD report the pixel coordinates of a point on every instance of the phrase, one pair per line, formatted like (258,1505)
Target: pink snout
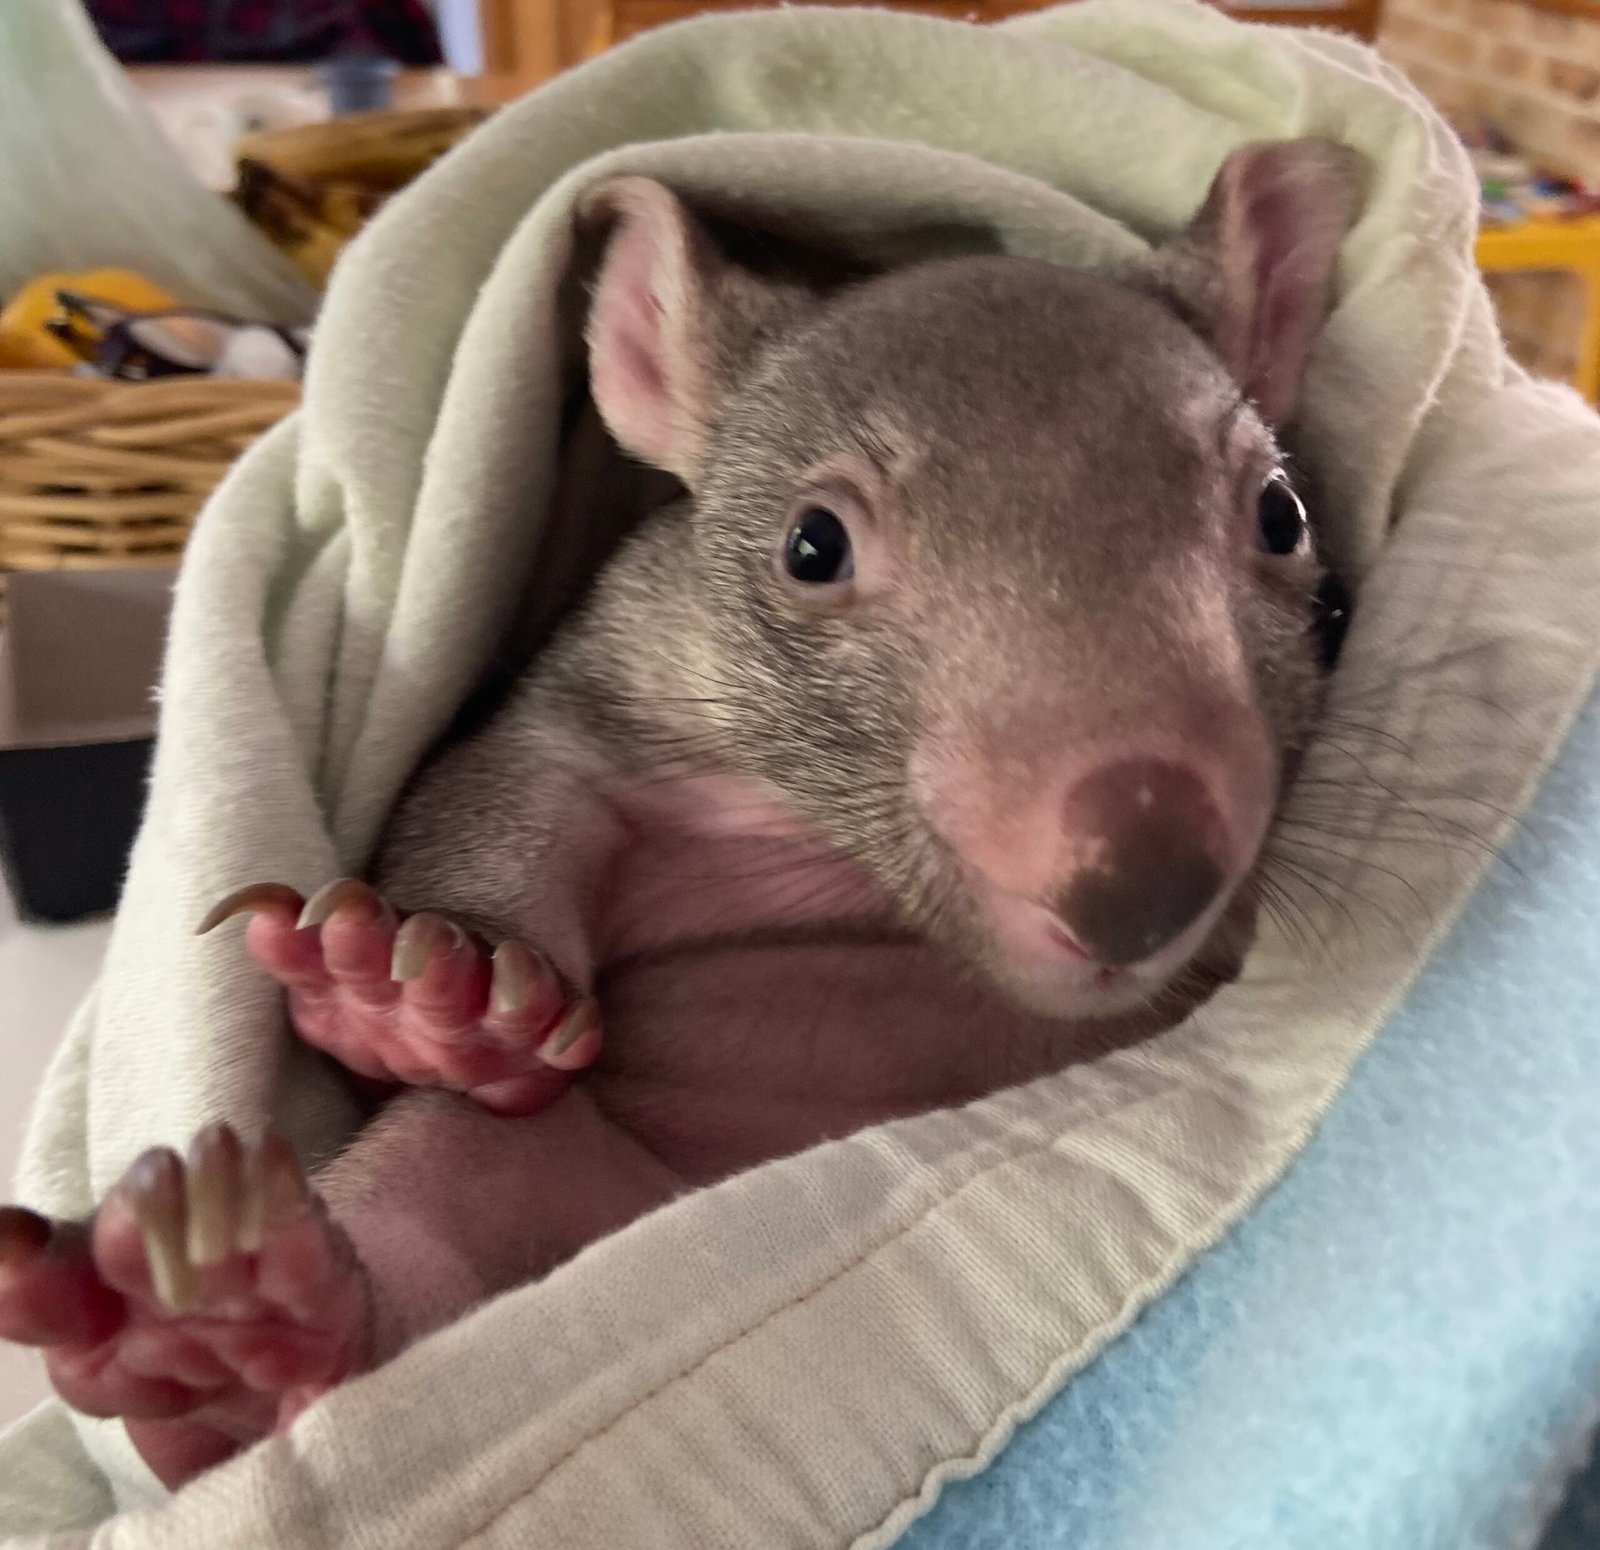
(1152,855)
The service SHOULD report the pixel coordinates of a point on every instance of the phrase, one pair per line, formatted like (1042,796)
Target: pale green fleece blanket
(802,1355)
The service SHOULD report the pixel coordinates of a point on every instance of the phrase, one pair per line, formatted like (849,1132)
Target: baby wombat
(928,744)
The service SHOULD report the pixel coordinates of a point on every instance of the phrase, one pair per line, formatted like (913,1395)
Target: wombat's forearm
(508,833)
(447,1204)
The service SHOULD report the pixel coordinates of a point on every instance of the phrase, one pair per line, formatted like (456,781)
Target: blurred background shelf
(527,41)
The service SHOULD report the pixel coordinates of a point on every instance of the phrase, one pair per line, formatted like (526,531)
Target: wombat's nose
(1154,855)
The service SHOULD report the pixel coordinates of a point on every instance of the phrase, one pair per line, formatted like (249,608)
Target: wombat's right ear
(658,358)
(1254,272)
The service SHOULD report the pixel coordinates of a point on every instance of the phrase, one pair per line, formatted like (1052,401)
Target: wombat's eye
(1281,525)
(1331,617)
(817,550)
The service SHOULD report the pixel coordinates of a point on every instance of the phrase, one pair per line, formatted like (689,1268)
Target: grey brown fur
(806,852)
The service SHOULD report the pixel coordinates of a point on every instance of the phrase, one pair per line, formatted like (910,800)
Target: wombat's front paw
(206,1304)
(417,1001)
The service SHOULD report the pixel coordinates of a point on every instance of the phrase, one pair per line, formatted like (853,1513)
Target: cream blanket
(802,1355)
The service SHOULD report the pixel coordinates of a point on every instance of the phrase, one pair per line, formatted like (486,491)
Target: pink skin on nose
(1037,835)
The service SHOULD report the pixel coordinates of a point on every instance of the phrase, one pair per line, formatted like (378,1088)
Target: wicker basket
(96,473)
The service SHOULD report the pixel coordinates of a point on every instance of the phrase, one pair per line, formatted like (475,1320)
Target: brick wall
(1535,72)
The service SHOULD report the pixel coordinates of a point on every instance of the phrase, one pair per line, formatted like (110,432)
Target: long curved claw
(250,900)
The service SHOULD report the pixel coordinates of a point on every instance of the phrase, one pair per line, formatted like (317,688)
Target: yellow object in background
(24,340)
(1542,245)
(312,187)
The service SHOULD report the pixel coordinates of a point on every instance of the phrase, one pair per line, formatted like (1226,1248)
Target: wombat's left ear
(670,325)
(1253,274)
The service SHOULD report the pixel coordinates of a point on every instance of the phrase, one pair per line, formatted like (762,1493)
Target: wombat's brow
(1238,405)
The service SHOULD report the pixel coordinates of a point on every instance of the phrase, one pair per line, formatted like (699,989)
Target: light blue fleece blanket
(1400,1349)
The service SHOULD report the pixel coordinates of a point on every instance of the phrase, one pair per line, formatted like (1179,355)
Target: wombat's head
(1003,584)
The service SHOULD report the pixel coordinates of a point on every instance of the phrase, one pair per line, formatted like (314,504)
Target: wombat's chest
(759,997)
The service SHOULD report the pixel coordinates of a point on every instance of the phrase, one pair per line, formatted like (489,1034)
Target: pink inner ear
(629,365)
(1288,221)
(1288,306)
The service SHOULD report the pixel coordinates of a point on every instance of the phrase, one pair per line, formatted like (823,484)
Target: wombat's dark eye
(817,550)
(1331,617)
(1281,525)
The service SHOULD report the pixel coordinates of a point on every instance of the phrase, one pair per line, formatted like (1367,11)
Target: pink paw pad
(417,1000)
(207,1304)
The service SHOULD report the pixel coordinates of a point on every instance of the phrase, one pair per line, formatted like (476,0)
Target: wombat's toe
(209,1302)
(253,899)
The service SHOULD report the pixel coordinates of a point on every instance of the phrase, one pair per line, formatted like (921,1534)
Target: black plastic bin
(80,655)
